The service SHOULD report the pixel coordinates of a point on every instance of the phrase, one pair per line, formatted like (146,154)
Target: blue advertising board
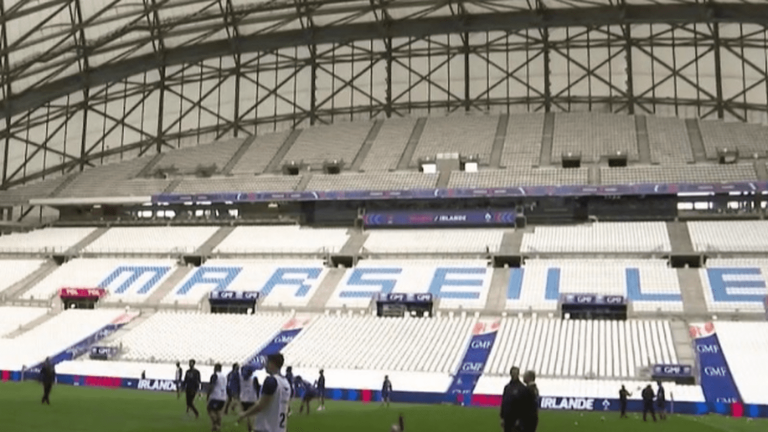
(441,218)
(672,371)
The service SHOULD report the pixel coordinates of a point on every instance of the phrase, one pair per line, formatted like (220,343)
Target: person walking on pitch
(271,410)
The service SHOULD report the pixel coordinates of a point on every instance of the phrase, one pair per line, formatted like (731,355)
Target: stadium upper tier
(522,154)
(12,318)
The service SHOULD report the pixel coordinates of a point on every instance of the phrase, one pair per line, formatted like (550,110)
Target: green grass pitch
(79,409)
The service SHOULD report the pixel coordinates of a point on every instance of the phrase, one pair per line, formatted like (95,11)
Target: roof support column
(718,70)
(629,71)
(547,70)
(467,96)
(388,95)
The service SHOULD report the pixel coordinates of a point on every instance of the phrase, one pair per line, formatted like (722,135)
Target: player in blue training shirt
(386,391)
(233,388)
(308,393)
(289,377)
(320,384)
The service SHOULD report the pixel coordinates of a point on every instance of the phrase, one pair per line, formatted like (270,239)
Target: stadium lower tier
(454,359)
(726,285)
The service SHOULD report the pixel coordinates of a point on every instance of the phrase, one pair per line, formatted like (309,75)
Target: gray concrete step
(692,291)
(19,288)
(354,243)
(169,284)
(217,237)
(366,147)
(496,302)
(413,141)
(326,289)
(90,238)
(680,238)
(227,170)
(498,142)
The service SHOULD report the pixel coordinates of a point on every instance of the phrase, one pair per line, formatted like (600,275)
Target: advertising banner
(440,218)
(717,382)
(473,363)
(672,371)
(82,292)
(590,299)
(234,296)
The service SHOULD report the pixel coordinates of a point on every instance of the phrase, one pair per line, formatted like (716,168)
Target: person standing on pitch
(661,401)
(289,377)
(48,378)
(623,394)
(217,396)
(386,391)
(233,388)
(192,383)
(320,384)
(513,402)
(271,410)
(179,375)
(249,391)
(648,403)
(530,420)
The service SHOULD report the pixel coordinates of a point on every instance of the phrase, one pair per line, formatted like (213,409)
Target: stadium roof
(85,62)
(46,41)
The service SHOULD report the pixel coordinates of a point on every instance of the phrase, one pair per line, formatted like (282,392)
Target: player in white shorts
(249,391)
(217,396)
(271,410)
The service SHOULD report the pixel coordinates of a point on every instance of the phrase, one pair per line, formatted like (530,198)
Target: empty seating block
(15,270)
(171,337)
(747,138)
(594,135)
(54,336)
(599,237)
(648,284)
(735,285)
(263,183)
(581,348)
(324,143)
(522,142)
(434,241)
(11,318)
(388,147)
(730,236)
(745,345)
(518,177)
(260,153)
(187,160)
(457,283)
(668,140)
(590,389)
(466,135)
(678,174)
(372,181)
(283,239)
(35,190)
(111,180)
(128,281)
(151,240)
(49,240)
(381,344)
(290,283)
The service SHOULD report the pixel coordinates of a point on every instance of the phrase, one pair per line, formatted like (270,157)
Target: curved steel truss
(88,83)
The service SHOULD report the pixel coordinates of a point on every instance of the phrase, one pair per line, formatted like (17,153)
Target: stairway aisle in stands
(217,237)
(692,291)
(169,284)
(16,290)
(90,238)
(683,342)
(325,289)
(643,144)
(29,326)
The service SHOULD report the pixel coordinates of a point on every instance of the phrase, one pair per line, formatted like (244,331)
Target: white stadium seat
(170,337)
(649,284)
(735,284)
(126,280)
(282,239)
(51,240)
(434,241)
(599,237)
(730,236)
(151,240)
(745,345)
(11,318)
(13,271)
(54,336)
(382,344)
(581,348)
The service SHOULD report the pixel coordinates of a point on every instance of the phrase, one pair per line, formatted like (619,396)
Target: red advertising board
(82,292)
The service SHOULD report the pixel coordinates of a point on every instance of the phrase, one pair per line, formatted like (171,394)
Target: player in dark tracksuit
(386,391)
(320,384)
(47,378)
(661,401)
(530,420)
(648,403)
(289,378)
(192,384)
(514,403)
(623,394)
